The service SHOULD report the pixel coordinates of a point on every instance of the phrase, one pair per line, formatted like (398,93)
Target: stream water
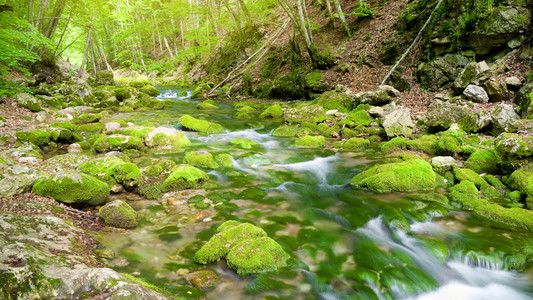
(344,243)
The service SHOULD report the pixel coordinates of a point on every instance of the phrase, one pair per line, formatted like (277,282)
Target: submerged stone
(243,143)
(407,176)
(119,214)
(201,159)
(202,279)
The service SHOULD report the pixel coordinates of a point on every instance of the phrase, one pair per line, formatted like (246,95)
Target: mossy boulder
(194,124)
(243,143)
(522,180)
(119,214)
(467,174)
(184,177)
(73,188)
(29,102)
(483,161)
(206,105)
(200,90)
(118,142)
(514,151)
(310,142)
(165,136)
(408,176)
(37,137)
(355,144)
(246,247)
(305,113)
(101,168)
(202,159)
(150,90)
(288,130)
(87,119)
(123,93)
(225,160)
(127,174)
(335,100)
(273,112)
(104,78)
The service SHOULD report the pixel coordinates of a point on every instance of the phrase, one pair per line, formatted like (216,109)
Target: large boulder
(104,78)
(15,185)
(522,180)
(119,214)
(377,98)
(431,77)
(166,136)
(184,177)
(473,73)
(335,100)
(514,151)
(73,188)
(118,142)
(476,93)
(309,113)
(273,111)
(398,123)
(202,159)
(29,102)
(407,176)
(502,115)
(497,90)
(441,115)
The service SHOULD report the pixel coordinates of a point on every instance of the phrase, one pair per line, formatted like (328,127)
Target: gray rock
(443,162)
(476,94)
(119,214)
(475,122)
(514,43)
(390,90)
(473,73)
(398,123)
(111,127)
(496,90)
(431,77)
(441,115)
(29,102)
(15,185)
(377,112)
(74,148)
(513,83)
(379,98)
(502,115)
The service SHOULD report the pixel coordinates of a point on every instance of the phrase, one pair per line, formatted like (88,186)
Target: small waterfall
(319,166)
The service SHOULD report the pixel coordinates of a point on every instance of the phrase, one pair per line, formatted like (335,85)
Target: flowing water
(344,243)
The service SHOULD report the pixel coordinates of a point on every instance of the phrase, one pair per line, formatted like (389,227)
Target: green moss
(225,160)
(122,93)
(65,125)
(310,141)
(408,176)
(184,177)
(467,174)
(200,90)
(37,137)
(101,168)
(243,143)
(335,100)
(201,159)
(74,188)
(483,161)
(355,144)
(93,127)
(448,145)
(495,182)
(150,90)
(206,106)
(522,180)
(127,174)
(201,125)
(256,255)
(288,130)
(118,143)
(273,111)
(87,119)
(357,118)
(150,189)
(426,143)
(119,214)
(126,109)
(394,144)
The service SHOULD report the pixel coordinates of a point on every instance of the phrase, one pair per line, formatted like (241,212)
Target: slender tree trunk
(168,47)
(330,13)
(86,48)
(342,18)
(62,36)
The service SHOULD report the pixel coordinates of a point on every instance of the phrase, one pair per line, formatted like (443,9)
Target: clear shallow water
(344,243)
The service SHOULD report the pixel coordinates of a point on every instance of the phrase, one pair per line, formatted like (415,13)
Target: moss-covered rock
(467,174)
(202,159)
(29,102)
(310,141)
(243,143)
(200,90)
(184,177)
(514,151)
(289,130)
(522,180)
(335,100)
(165,136)
(407,176)
(224,160)
(118,142)
(150,90)
(206,106)
(355,144)
(119,214)
(246,247)
(127,174)
(483,161)
(73,188)
(122,93)
(194,124)
(273,111)
(101,168)
(37,137)
(87,119)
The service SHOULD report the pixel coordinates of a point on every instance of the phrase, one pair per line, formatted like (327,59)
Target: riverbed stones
(73,188)
(243,143)
(476,94)
(118,142)
(272,112)
(514,151)
(202,279)
(398,123)
(201,159)
(310,141)
(166,136)
(440,163)
(29,102)
(119,214)
(408,176)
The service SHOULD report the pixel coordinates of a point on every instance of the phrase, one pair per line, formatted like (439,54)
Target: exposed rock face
(398,123)
(119,214)
(473,73)
(441,115)
(15,185)
(514,151)
(437,74)
(476,94)
(496,90)
(502,116)
(31,269)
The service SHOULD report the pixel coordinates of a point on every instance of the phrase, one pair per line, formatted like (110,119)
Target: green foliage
(363,11)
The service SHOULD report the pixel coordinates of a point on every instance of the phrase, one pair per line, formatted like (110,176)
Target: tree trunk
(86,48)
(342,18)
